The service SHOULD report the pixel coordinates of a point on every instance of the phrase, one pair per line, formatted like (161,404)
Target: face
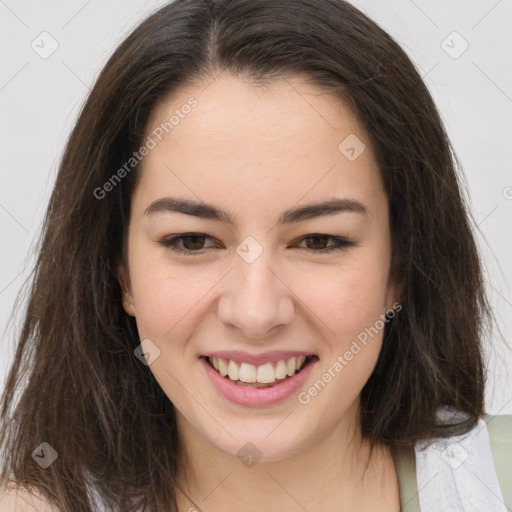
(266,280)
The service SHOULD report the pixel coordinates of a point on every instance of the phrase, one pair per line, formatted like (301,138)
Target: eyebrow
(298,214)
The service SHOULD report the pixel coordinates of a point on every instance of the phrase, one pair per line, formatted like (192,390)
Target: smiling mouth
(263,376)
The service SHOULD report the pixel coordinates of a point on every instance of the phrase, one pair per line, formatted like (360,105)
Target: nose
(255,298)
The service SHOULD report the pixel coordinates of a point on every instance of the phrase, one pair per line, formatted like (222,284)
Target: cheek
(161,300)
(348,299)
(345,299)
(168,297)
(350,306)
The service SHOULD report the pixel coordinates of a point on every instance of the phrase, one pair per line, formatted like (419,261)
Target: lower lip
(254,397)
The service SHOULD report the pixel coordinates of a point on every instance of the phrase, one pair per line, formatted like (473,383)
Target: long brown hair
(75,382)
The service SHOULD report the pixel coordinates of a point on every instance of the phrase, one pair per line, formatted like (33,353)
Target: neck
(336,472)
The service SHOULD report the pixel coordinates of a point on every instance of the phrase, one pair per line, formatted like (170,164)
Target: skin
(255,152)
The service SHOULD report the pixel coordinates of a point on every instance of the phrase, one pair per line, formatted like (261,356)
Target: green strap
(405,462)
(500,435)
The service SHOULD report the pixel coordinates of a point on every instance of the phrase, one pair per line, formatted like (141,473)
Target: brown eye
(188,243)
(193,242)
(317,243)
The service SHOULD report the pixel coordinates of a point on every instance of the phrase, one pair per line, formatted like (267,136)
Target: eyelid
(341,243)
(172,241)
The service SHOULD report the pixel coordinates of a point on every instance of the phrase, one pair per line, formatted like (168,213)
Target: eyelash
(172,243)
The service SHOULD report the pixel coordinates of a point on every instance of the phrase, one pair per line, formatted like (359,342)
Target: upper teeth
(264,374)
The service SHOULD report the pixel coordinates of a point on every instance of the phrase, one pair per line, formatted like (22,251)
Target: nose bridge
(255,298)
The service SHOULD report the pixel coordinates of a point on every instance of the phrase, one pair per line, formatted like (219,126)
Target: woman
(255,281)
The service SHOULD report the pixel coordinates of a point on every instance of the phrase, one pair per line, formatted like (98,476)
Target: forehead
(275,143)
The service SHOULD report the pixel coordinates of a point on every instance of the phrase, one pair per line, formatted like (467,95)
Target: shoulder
(485,451)
(17,499)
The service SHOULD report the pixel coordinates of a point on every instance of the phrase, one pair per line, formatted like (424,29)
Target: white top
(457,473)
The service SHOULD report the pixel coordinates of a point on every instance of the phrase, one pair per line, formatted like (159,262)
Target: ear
(394,291)
(125,283)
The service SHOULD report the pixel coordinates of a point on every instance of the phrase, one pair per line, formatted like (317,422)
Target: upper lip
(258,359)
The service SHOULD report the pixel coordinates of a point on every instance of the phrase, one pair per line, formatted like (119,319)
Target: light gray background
(41,97)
